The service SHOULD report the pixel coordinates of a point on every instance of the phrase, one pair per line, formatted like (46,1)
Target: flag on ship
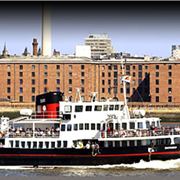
(126,79)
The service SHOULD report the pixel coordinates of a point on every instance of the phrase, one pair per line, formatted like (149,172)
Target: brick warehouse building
(22,79)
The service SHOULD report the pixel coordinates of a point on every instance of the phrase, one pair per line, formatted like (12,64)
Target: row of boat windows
(89,108)
(98,126)
(40,144)
(80,126)
(132,143)
(63,144)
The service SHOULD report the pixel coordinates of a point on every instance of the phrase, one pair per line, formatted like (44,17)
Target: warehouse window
(45,66)
(20,98)
(169,67)
(157,66)
(33,74)
(21,67)
(57,66)
(170,74)
(8,90)
(82,67)
(169,81)
(33,67)
(169,99)
(20,74)
(157,90)
(157,81)
(57,81)
(157,74)
(8,81)
(45,81)
(33,81)
(157,98)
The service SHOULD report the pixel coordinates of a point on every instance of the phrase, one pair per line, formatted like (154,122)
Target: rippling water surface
(169,169)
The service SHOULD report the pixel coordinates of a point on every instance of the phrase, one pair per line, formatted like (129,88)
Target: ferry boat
(66,132)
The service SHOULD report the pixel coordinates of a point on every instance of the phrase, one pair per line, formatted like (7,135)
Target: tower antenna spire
(46,30)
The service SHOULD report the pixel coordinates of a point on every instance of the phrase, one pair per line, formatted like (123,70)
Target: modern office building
(100,45)
(175,52)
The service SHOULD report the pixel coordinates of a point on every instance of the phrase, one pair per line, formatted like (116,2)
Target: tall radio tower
(46,30)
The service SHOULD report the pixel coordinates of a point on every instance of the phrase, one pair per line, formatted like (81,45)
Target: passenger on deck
(88,145)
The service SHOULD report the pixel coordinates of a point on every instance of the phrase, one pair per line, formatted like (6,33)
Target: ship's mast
(78,97)
(124,92)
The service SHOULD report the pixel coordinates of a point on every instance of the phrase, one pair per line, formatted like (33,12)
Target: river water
(160,169)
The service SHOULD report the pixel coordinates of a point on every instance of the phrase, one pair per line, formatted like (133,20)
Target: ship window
(140,125)
(117,126)
(132,125)
(11,143)
(67,109)
(153,123)
(59,144)
(69,127)
(80,126)
(39,109)
(124,143)
(147,124)
(131,143)
(97,108)
(34,144)
(116,107)
(159,141)
(88,108)
(163,141)
(168,141)
(121,108)
(98,126)
(110,144)
(102,144)
(63,126)
(104,125)
(144,142)
(148,142)
(78,108)
(23,144)
(46,144)
(41,144)
(75,127)
(158,124)
(105,108)
(66,116)
(106,144)
(64,144)
(29,144)
(177,140)
(124,126)
(138,142)
(117,144)
(86,126)
(52,144)
(92,126)
(111,107)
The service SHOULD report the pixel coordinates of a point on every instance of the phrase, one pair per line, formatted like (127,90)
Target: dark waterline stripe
(98,155)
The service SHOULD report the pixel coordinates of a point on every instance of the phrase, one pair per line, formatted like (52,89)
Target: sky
(140,28)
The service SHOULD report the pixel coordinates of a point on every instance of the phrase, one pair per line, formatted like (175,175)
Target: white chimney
(46,30)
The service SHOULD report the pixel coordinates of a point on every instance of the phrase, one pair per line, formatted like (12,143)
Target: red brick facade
(22,80)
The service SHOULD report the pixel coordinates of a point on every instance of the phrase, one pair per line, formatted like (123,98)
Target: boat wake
(155,164)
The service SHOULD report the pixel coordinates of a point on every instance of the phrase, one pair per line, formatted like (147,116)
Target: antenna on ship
(125,79)
(93,96)
(78,95)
